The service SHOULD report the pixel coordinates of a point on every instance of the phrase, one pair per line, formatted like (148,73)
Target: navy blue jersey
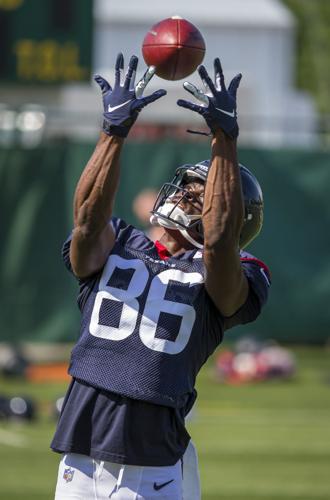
(109,426)
(148,325)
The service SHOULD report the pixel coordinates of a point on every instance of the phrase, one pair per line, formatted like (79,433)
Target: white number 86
(154,305)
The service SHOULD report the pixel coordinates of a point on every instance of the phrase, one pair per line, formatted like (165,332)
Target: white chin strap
(177,214)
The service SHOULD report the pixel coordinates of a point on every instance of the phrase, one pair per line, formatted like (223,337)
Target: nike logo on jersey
(110,109)
(162,485)
(229,113)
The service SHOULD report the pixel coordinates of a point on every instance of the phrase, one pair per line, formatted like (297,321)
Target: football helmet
(167,212)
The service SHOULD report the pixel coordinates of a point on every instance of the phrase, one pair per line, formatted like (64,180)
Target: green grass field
(268,441)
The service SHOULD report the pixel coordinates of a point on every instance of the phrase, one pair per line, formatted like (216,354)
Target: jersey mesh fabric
(109,426)
(129,366)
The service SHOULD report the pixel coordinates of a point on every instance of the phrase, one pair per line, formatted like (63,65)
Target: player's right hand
(123,103)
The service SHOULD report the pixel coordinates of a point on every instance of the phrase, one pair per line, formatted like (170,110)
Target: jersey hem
(79,370)
(59,447)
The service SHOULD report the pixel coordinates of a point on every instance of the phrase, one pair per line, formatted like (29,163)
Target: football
(175,47)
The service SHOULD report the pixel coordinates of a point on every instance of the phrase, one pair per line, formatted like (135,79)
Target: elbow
(85,260)
(224,237)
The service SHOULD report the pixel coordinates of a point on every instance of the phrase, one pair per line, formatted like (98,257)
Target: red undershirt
(162,251)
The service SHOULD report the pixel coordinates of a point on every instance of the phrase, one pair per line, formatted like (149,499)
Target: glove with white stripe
(218,103)
(123,103)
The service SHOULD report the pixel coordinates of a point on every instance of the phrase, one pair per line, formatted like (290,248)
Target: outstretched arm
(223,214)
(93,236)
(223,208)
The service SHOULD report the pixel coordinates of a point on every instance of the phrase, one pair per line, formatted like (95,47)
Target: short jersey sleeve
(259,279)
(66,253)
(119,227)
(125,234)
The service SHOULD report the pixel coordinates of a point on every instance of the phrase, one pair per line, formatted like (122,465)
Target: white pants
(191,488)
(83,478)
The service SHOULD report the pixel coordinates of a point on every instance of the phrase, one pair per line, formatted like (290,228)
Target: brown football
(175,47)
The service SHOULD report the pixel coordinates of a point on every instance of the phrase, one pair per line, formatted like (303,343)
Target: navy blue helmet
(168,214)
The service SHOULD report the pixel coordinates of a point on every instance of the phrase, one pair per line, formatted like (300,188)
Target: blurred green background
(37,190)
(265,441)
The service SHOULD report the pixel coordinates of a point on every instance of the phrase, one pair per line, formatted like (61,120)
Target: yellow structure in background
(10,4)
(48,60)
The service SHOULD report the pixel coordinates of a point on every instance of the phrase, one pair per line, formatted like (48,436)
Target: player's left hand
(123,103)
(218,103)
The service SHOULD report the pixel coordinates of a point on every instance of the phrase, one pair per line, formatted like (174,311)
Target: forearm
(97,186)
(223,210)
(223,216)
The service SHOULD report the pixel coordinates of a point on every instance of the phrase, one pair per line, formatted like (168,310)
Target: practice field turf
(268,441)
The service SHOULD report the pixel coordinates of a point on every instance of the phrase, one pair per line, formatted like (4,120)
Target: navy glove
(218,104)
(123,104)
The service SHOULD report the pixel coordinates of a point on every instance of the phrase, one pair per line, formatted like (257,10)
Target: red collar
(162,251)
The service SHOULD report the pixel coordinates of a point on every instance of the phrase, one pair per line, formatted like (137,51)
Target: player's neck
(174,242)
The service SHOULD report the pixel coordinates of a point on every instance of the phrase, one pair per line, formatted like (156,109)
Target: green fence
(38,294)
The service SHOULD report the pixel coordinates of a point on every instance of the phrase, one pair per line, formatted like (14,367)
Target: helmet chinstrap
(165,197)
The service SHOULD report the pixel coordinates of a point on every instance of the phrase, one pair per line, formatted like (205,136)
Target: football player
(152,313)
